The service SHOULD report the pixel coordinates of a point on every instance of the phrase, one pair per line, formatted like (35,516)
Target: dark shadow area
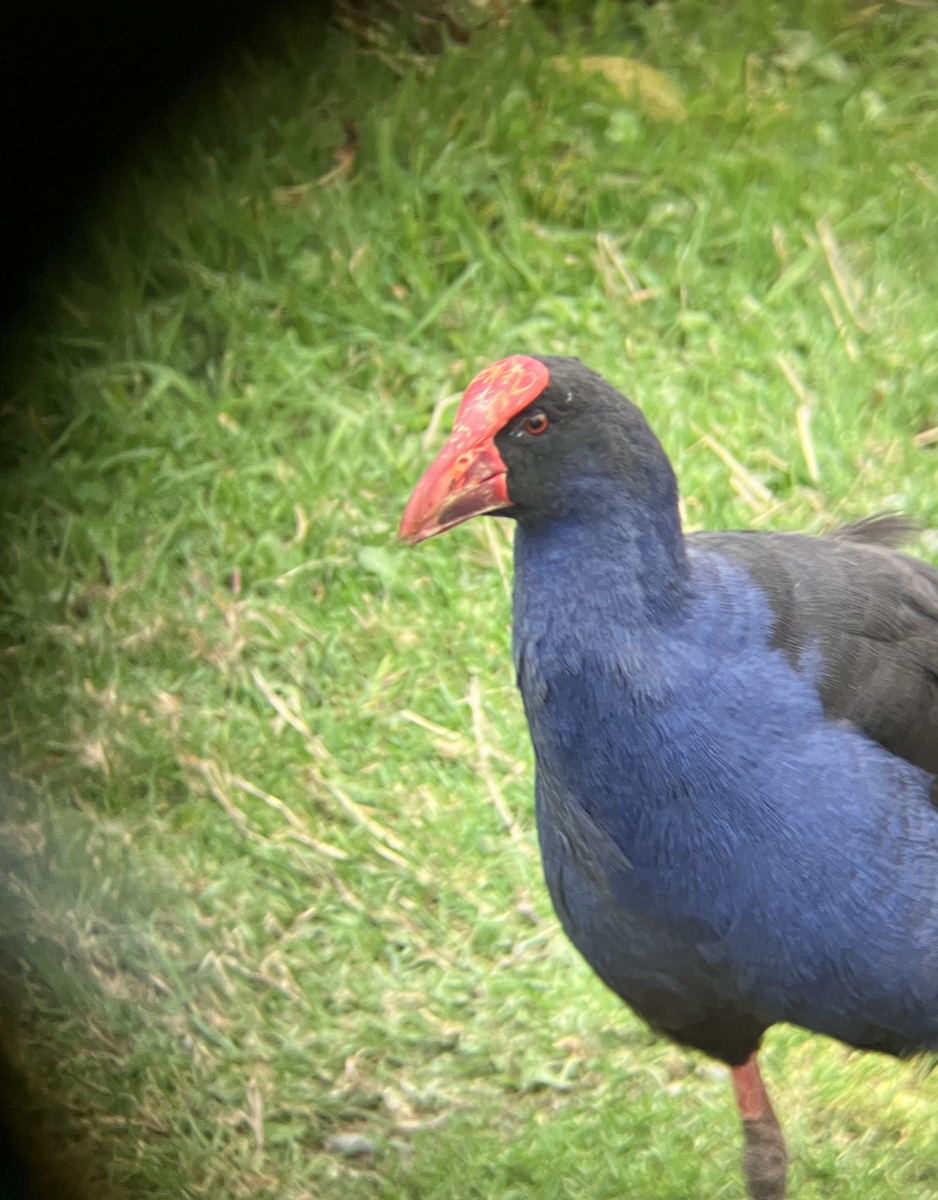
(79,84)
(80,88)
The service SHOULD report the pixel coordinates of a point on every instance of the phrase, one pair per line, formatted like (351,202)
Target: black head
(542,438)
(579,448)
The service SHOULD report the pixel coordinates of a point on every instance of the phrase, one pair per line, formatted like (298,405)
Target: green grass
(217,417)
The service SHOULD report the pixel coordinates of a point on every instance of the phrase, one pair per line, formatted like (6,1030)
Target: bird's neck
(612,560)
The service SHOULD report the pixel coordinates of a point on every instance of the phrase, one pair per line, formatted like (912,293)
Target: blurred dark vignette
(84,90)
(81,87)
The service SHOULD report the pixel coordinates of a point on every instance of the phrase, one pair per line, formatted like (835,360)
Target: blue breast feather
(689,779)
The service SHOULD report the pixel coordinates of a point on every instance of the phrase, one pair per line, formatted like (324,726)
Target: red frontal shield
(467,477)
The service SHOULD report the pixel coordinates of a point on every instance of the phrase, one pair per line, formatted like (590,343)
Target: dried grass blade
(213,776)
(299,831)
(498,554)
(460,744)
(644,294)
(432,430)
(330,851)
(255,1114)
(611,251)
(848,287)
(745,477)
(281,708)
(794,379)
(803,419)
(802,416)
(923,177)
(258,977)
(374,827)
(390,855)
(498,800)
(853,350)
(430,726)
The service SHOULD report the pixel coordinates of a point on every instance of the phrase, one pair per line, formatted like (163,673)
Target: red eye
(536,424)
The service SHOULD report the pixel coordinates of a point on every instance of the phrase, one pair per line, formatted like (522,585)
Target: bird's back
(868,611)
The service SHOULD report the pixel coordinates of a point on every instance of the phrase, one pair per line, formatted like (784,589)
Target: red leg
(764,1158)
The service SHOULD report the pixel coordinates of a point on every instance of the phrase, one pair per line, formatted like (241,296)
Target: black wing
(871,612)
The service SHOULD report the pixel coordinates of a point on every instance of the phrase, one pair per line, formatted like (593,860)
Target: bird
(735,735)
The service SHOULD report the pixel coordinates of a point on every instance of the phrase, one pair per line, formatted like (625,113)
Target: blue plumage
(778,852)
(736,736)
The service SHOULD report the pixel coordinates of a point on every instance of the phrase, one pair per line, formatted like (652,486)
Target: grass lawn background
(274,922)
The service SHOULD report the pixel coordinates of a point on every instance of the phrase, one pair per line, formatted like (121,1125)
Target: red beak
(468,478)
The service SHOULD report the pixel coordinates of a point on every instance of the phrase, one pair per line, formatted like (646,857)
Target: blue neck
(610,559)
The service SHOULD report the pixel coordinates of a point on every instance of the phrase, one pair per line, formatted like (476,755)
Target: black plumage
(867,610)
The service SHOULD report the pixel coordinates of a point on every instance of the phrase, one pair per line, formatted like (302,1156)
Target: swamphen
(736,735)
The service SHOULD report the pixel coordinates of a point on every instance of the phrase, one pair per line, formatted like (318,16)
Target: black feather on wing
(871,613)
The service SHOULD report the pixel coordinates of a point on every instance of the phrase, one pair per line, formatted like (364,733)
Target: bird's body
(736,736)
(723,852)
